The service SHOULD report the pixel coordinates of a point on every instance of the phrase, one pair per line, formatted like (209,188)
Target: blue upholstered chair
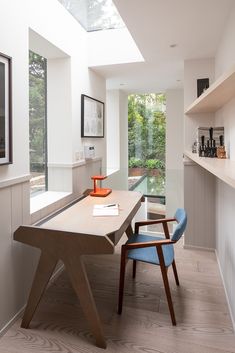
(155,250)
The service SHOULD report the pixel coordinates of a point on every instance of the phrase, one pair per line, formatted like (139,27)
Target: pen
(111,205)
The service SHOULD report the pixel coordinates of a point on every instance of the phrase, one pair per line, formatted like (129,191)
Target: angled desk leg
(46,266)
(77,273)
(129,231)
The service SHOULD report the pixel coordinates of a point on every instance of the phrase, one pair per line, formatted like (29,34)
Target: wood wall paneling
(199,201)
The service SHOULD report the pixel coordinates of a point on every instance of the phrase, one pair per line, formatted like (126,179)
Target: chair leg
(134,269)
(122,279)
(166,284)
(175,273)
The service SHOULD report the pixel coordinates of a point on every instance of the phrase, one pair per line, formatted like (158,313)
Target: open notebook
(106,210)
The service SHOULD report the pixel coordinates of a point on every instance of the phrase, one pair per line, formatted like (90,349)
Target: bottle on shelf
(202,147)
(211,151)
(221,153)
(208,149)
(194,147)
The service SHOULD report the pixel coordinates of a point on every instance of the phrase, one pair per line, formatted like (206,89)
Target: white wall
(174,128)
(225,200)
(225,55)
(225,58)
(95,87)
(174,149)
(59,117)
(113,129)
(193,70)
(54,24)
(14,44)
(117,140)
(115,46)
(123,108)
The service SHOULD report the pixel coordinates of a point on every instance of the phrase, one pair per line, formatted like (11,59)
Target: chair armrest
(148,244)
(157,221)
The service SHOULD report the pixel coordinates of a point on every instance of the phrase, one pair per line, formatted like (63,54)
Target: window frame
(45,142)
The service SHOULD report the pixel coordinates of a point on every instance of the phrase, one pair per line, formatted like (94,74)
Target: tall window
(37,123)
(146,142)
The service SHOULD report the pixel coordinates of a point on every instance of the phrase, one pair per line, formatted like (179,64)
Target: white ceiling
(196,26)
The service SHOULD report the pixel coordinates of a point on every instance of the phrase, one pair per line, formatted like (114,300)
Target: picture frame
(5,109)
(92,117)
(202,85)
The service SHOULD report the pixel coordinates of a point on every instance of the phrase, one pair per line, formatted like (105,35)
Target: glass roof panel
(94,15)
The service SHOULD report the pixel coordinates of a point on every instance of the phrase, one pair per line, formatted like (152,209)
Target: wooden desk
(69,235)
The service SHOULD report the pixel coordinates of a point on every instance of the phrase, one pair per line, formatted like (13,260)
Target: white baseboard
(198,248)
(8,325)
(225,290)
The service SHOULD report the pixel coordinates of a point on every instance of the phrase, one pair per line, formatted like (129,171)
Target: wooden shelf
(218,94)
(223,169)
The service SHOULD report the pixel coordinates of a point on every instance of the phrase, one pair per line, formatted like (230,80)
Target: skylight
(94,15)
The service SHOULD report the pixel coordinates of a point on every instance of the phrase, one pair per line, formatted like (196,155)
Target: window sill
(111,171)
(46,200)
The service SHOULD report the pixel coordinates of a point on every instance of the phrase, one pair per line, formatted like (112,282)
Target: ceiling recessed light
(173,45)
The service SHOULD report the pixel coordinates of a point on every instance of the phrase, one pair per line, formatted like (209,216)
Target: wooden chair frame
(158,244)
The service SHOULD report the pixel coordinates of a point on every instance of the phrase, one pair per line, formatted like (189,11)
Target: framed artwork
(92,117)
(5,110)
(202,85)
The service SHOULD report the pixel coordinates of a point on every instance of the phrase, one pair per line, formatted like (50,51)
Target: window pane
(37,123)
(146,139)
(94,15)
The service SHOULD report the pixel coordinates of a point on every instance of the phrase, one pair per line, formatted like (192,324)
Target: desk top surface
(79,219)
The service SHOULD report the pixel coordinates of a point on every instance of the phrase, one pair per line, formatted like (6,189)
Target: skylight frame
(94,15)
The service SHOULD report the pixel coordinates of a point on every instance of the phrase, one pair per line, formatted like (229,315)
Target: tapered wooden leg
(166,284)
(77,273)
(134,269)
(43,273)
(122,279)
(175,273)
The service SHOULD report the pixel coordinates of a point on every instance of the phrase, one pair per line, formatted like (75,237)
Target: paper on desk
(106,210)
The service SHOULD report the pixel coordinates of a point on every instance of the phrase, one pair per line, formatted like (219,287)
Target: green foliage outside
(155,164)
(135,163)
(37,112)
(146,131)
(149,163)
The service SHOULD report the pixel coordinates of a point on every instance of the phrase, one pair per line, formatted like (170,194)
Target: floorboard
(203,321)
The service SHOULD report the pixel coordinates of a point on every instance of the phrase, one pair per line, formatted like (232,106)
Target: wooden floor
(203,322)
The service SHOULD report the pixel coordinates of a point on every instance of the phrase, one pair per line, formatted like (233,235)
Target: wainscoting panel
(17,261)
(199,201)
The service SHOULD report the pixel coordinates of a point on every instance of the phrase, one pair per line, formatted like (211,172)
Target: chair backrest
(181,218)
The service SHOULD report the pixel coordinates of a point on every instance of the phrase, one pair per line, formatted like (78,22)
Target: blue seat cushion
(150,255)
